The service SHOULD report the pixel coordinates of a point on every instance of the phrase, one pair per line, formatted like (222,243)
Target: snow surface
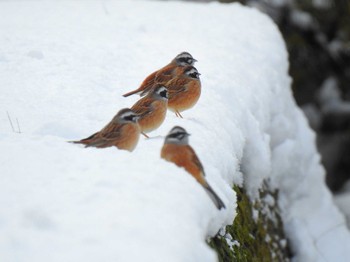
(63,68)
(343,201)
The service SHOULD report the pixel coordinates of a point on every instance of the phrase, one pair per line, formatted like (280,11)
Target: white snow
(63,68)
(342,199)
(343,202)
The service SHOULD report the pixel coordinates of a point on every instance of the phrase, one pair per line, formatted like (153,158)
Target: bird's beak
(195,60)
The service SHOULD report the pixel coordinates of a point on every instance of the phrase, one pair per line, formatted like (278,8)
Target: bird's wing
(167,70)
(106,136)
(147,84)
(196,160)
(143,106)
(85,140)
(164,75)
(110,132)
(176,85)
(148,81)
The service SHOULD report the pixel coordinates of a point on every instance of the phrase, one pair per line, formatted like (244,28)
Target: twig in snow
(8,116)
(19,128)
(105,8)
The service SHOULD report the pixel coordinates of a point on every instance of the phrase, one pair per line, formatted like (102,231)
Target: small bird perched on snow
(184,90)
(122,132)
(152,109)
(177,150)
(164,74)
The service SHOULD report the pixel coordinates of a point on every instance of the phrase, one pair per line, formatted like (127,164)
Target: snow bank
(63,69)
(343,201)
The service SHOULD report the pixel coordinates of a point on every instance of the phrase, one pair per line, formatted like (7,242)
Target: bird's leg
(177,113)
(144,135)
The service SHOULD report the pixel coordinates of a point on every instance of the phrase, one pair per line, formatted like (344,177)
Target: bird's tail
(216,199)
(84,141)
(144,88)
(131,93)
(75,142)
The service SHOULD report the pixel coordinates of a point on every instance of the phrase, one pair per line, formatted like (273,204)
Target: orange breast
(154,119)
(129,138)
(186,99)
(182,157)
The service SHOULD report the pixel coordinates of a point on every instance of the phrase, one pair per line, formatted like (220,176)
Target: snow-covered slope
(63,69)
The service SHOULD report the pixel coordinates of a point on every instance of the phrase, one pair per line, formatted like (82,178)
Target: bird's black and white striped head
(184,59)
(160,92)
(192,72)
(178,136)
(126,115)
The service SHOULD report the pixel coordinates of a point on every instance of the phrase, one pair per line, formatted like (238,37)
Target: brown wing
(165,74)
(195,159)
(111,131)
(176,85)
(145,86)
(85,140)
(109,128)
(143,106)
(107,136)
(215,198)
(148,82)
(184,156)
(160,76)
(168,74)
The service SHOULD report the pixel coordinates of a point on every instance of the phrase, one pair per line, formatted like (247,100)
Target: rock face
(257,233)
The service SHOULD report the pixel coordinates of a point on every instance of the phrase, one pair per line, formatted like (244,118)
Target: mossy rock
(257,232)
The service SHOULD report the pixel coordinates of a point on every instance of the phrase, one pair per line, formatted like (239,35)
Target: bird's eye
(194,75)
(178,135)
(185,60)
(164,94)
(129,118)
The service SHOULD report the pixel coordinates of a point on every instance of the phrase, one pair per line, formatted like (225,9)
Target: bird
(184,90)
(122,132)
(176,149)
(164,74)
(152,109)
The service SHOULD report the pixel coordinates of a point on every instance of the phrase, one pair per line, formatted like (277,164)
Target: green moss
(259,238)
